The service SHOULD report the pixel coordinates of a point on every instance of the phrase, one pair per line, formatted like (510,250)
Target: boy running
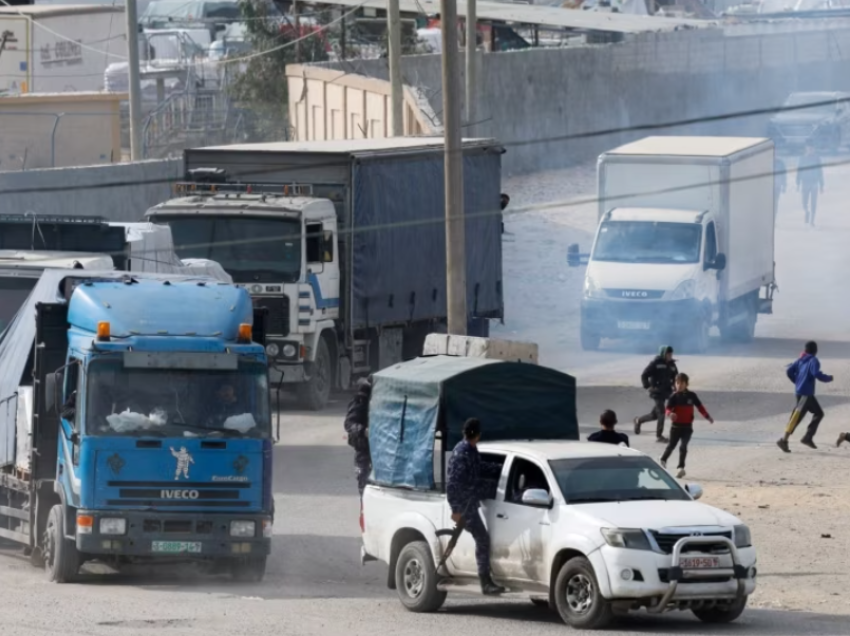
(680,409)
(804,373)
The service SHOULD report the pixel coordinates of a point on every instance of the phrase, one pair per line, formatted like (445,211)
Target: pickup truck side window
(525,475)
(710,243)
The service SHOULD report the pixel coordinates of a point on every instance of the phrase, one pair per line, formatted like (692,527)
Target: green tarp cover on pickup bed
(411,401)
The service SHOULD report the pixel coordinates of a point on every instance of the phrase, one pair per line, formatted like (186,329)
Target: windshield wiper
(644,498)
(590,500)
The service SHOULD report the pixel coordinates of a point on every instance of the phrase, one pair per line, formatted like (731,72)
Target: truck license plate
(622,324)
(177,547)
(699,563)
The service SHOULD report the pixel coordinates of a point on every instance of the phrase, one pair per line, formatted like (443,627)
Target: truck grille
(278,316)
(634,294)
(180,494)
(667,541)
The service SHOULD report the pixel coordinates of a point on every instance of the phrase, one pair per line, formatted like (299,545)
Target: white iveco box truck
(684,242)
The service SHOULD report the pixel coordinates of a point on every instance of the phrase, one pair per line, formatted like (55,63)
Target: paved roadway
(315,584)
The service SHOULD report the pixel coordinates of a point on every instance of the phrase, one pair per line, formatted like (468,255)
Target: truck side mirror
(719,262)
(573,258)
(50,387)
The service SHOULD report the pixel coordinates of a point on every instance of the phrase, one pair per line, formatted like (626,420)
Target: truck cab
(150,426)
(652,269)
(282,247)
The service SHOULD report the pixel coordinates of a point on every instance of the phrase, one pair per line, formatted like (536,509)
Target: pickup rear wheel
(577,596)
(61,559)
(416,579)
(723,613)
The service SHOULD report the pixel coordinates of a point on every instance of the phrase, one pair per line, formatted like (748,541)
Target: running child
(680,410)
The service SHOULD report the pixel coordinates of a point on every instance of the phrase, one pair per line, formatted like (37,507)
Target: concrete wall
(326,105)
(551,107)
(121,192)
(59,129)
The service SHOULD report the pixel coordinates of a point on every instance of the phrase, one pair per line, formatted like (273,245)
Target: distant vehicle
(171,14)
(826,123)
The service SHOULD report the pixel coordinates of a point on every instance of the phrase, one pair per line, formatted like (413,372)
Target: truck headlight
(684,291)
(243,528)
(110,525)
(272,350)
(591,290)
(629,538)
(743,538)
(289,350)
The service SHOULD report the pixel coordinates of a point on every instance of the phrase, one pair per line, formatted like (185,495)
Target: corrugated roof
(689,146)
(344,146)
(544,16)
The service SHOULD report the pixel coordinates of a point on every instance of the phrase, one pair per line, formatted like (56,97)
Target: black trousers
(810,202)
(809,404)
(657,414)
(681,436)
(475,526)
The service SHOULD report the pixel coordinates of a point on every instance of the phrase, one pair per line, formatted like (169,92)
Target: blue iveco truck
(135,424)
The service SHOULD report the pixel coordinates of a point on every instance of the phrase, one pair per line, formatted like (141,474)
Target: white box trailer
(685,240)
(59,48)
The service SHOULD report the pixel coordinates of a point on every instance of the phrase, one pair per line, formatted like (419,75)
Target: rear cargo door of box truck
(749,251)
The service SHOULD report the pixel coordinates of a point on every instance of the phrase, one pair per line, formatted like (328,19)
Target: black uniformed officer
(659,379)
(357,427)
(463,490)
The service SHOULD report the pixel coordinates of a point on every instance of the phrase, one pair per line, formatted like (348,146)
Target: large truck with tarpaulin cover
(133,430)
(343,242)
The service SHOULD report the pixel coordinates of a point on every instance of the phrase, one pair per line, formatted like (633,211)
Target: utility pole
(297,13)
(394,50)
(453,159)
(471,49)
(135,82)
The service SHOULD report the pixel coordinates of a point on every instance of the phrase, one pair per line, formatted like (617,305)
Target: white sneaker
(681,473)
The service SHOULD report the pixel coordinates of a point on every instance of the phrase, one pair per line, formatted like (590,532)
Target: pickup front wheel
(577,596)
(416,579)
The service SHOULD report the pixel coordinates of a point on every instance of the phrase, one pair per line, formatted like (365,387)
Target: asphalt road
(315,583)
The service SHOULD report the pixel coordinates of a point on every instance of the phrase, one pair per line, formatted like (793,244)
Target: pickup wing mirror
(537,497)
(694,490)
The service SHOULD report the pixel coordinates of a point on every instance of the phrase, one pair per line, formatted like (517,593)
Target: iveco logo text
(179,494)
(634,294)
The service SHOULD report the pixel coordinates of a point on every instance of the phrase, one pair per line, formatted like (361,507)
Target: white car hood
(655,514)
(643,276)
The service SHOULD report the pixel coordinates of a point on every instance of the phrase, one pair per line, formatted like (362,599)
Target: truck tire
(314,393)
(699,340)
(416,579)
(61,559)
(589,340)
(251,570)
(719,615)
(578,599)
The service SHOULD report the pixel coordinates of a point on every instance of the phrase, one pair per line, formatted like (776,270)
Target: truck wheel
(248,570)
(577,596)
(416,579)
(589,340)
(314,393)
(722,614)
(61,559)
(699,342)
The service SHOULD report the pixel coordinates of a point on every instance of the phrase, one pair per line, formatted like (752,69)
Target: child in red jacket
(680,410)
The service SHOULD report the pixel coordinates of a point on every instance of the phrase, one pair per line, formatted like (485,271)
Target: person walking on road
(659,379)
(810,181)
(780,181)
(680,408)
(607,434)
(357,428)
(464,484)
(804,373)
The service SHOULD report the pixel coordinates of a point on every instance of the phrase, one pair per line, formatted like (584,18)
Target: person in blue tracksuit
(804,373)
(464,484)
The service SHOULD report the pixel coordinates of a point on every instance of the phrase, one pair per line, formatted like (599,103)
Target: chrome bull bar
(677,574)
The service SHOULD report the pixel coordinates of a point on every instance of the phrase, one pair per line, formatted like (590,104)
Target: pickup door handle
(502,515)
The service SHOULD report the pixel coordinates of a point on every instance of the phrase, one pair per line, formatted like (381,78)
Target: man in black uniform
(357,427)
(463,491)
(659,379)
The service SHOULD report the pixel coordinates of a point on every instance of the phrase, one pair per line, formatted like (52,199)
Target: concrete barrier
(118,192)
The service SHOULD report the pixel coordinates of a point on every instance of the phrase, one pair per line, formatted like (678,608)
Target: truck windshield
(647,242)
(13,294)
(177,402)
(602,479)
(249,249)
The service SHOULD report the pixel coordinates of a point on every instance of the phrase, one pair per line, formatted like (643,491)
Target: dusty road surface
(797,505)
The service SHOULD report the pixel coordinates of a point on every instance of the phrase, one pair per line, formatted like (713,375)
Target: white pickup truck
(591,530)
